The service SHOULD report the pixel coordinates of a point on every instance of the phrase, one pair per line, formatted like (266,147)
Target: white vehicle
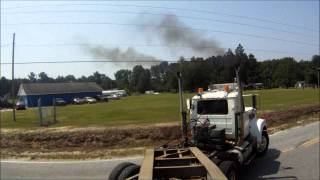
(219,120)
(89,100)
(221,108)
(112,97)
(120,93)
(225,135)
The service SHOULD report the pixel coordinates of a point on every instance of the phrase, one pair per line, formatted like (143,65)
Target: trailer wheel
(129,171)
(118,169)
(262,149)
(230,169)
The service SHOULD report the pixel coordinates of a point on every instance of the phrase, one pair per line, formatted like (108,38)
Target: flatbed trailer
(184,163)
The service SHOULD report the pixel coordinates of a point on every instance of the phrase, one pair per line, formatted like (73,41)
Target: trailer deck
(184,163)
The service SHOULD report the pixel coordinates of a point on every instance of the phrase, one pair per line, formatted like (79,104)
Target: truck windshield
(212,107)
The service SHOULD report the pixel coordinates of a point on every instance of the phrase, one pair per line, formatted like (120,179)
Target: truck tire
(230,169)
(265,144)
(129,171)
(118,169)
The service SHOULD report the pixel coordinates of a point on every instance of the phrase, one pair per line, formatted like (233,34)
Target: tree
(242,62)
(106,82)
(97,77)
(267,69)
(286,71)
(123,78)
(158,75)
(196,72)
(140,79)
(229,52)
(70,78)
(252,71)
(144,81)
(32,77)
(312,76)
(239,51)
(5,86)
(44,78)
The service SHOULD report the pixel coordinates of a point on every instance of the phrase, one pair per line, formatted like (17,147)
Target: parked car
(5,104)
(60,102)
(89,100)
(101,98)
(78,101)
(113,97)
(20,105)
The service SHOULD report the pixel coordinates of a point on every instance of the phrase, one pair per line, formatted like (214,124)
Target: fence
(47,114)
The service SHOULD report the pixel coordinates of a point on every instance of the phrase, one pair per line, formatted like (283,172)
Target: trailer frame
(181,163)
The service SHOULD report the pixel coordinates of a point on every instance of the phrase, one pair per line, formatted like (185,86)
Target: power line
(180,9)
(162,14)
(146,45)
(106,44)
(279,52)
(91,61)
(159,26)
(88,61)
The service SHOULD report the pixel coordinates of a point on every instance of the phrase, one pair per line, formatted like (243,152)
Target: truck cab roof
(215,94)
(219,91)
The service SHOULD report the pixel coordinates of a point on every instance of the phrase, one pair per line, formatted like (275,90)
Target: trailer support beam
(212,168)
(146,170)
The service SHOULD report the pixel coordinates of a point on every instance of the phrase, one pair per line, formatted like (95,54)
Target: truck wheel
(230,169)
(118,169)
(262,149)
(129,171)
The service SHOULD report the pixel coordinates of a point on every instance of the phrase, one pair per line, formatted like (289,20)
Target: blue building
(31,92)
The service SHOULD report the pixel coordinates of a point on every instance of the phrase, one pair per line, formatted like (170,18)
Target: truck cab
(224,136)
(219,108)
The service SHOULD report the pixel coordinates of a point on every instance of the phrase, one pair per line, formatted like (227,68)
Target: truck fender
(239,153)
(257,127)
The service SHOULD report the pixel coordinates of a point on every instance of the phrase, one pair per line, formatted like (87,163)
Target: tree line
(197,72)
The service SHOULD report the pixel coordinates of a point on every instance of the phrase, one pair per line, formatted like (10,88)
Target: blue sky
(302,17)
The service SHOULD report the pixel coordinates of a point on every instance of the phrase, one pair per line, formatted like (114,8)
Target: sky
(52,31)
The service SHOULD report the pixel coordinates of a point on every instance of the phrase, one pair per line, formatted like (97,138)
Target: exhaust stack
(241,101)
(183,112)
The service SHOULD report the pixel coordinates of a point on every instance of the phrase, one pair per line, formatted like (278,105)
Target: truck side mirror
(188,103)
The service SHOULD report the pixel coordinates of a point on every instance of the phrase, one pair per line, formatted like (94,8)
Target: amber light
(226,88)
(200,90)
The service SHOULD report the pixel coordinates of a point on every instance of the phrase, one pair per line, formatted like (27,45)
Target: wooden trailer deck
(185,163)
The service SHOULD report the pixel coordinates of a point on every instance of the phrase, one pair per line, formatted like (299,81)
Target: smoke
(170,30)
(123,58)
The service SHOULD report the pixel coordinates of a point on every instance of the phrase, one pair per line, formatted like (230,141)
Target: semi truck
(220,137)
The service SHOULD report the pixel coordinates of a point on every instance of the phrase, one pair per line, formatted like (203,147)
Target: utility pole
(318,77)
(12,81)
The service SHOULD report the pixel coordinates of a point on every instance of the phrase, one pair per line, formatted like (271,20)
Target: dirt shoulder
(94,142)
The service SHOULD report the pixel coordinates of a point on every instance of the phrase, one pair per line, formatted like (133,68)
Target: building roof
(57,88)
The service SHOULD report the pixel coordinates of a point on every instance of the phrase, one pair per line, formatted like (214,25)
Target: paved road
(293,154)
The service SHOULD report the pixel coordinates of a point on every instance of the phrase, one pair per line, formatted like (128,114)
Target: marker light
(226,88)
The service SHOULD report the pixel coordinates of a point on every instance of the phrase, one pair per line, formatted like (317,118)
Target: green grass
(147,109)
(281,99)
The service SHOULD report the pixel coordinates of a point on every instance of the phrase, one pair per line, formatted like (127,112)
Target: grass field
(148,109)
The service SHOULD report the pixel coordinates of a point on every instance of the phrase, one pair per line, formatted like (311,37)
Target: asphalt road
(293,154)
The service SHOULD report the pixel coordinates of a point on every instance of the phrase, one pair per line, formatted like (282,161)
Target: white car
(89,100)
(113,97)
